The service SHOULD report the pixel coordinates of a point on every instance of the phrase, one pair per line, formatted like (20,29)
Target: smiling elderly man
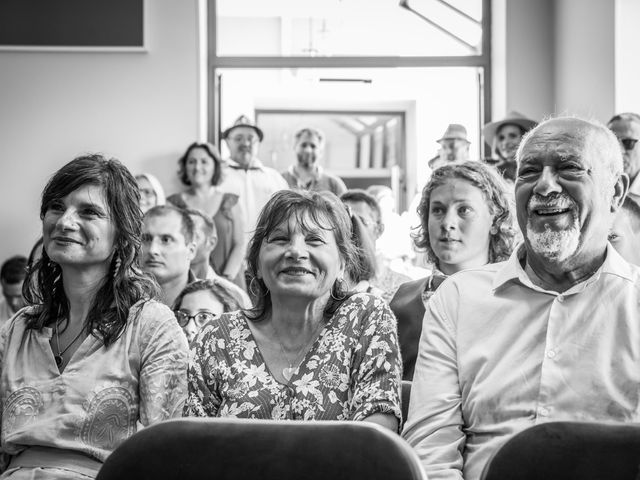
(551,334)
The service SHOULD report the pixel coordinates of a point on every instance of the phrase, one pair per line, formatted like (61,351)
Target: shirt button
(561,298)
(543,412)
(551,353)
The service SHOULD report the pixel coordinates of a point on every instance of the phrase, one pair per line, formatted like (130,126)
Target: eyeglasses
(200,318)
(628,143)
(241,139)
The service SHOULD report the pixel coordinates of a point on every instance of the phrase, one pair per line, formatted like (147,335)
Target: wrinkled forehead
(556,140)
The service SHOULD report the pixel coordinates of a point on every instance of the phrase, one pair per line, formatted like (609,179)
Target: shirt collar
(256,164)
(315,174)
(634,188)
(191,277)
(512,269)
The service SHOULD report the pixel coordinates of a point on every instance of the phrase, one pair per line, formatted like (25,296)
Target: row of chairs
(193,448)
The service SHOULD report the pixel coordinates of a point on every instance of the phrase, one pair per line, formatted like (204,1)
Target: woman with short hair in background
(200,170)
(151,191)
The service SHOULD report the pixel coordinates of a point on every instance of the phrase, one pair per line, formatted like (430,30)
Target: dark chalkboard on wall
(72,24)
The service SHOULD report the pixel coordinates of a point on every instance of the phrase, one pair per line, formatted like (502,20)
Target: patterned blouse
(351,371)
(102,395)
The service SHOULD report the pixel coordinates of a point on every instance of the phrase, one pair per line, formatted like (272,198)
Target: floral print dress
(351,371)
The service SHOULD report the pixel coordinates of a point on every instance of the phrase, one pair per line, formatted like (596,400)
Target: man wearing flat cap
(454,146)
(246,175)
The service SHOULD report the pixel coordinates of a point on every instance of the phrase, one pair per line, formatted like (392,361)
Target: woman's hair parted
(212,151)
(494,190)
(125,284)
(310,210)
(215,288)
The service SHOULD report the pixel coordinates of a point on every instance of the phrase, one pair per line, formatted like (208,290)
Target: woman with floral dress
(308,350)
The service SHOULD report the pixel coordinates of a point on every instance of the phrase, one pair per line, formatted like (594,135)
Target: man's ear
(213,241)
(379,230)
(620,190)
(191,251)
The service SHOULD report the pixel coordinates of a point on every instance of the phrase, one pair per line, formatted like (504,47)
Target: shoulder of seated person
(149,311)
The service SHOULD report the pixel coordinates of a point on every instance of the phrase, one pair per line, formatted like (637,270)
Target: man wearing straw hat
(504,136)
(454,146)
(246,175)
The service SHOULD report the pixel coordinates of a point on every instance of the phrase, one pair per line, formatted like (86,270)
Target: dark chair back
(568,451)
(405,397)
(192,448)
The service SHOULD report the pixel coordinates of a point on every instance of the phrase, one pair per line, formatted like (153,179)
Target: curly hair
(212,151)
(494,190)
(126,283)
(309,210)
(218,289)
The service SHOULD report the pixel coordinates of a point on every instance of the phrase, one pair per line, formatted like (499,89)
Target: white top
(254,186)
(499,354)
(103,393)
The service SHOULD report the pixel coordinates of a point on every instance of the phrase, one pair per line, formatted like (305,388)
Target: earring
(340,290)
(252,288)
(117,264)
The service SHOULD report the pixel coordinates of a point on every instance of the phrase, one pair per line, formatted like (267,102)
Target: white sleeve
(435,426)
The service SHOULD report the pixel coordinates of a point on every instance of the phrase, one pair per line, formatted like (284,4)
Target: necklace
(287,372)
(58,358)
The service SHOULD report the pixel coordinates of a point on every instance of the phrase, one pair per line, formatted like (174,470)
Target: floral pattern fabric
(350,372)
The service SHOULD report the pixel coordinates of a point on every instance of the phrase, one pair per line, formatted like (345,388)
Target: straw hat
(514,118)
(454,131)
(242,121)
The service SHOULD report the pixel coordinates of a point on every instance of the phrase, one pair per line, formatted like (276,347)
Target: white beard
(555,245)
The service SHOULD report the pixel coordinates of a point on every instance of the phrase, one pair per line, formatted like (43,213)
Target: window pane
(373,118)
(348,27)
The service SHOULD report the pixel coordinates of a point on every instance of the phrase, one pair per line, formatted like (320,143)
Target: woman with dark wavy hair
(92,354)
(200,170)
(309,349)
(466,221)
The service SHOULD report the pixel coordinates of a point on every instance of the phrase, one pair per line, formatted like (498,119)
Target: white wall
(585,58)
(139,107)
(627,69)
(530,54)
(565,56)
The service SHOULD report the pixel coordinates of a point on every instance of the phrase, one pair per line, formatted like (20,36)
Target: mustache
(555,200)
